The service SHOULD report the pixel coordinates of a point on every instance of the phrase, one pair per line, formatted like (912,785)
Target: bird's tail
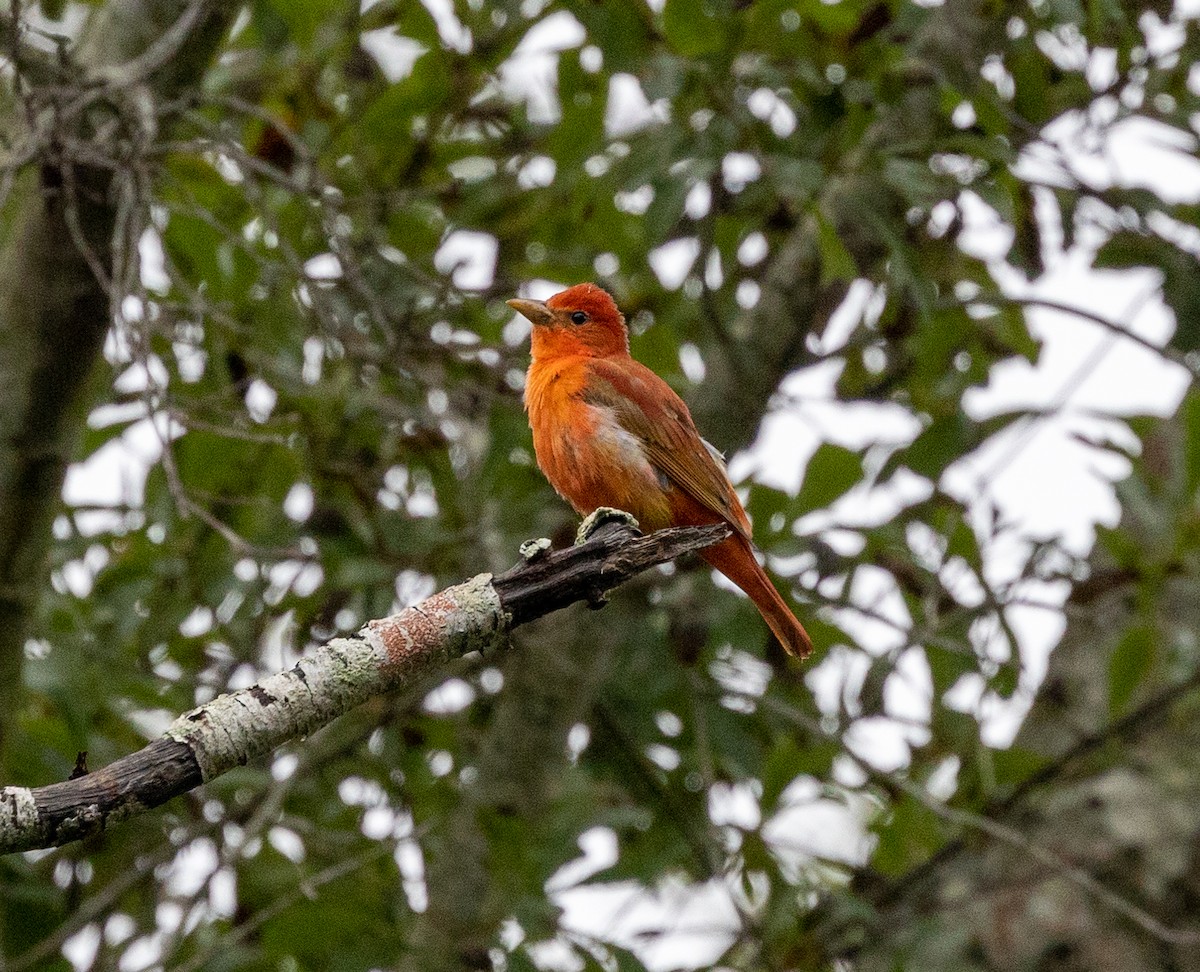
(735,559)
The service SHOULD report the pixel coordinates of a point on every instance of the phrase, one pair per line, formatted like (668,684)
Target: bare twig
(1078,876)
(987,823)
(159,52)
(1044,303)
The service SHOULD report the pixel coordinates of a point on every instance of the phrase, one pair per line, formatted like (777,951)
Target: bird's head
(580,320)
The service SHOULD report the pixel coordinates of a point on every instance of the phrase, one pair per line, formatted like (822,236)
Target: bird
(609,432)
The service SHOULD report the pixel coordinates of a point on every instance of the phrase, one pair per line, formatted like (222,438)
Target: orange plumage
(609,432)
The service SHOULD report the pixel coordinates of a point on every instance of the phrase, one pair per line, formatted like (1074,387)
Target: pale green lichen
(482,618)
(532,550)
(598,517)
(19,827)
(235,728)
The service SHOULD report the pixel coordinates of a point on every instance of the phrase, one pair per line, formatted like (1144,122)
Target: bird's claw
(532,550)
(598,517)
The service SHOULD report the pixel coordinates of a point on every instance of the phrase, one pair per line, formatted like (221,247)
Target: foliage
(331,407)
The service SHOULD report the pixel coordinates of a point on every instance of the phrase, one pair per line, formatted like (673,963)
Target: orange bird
(609,432)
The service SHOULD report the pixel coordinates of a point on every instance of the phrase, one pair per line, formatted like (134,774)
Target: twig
(986,823)
(162,50)
(1060,865)
(95,906)
(304,889)
(1044,303)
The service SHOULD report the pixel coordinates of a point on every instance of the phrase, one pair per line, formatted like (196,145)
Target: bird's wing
(646,407)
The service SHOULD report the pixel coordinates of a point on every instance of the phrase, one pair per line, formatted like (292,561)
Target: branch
(1149,715)
(1165,351)
(383,656)
(1056,862)
(161,50)
(768,341)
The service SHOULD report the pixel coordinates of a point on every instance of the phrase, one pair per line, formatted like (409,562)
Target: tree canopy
(259,386)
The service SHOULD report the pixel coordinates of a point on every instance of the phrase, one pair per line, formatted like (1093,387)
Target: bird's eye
(578,317)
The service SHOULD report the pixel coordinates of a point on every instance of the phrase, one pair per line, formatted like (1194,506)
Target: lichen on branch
(384,655)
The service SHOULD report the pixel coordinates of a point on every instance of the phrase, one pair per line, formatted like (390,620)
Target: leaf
(666,209)
(907,836)
(790,759)
(1129,249)
(1129,664)
(832,471)
(271,24)
(836,261)
(1013,766)
(954,731)
(387,122)
(302,17)
(620,28)
(1006,679)
(1190,412)
(584,98)
(943,441)
(696,28)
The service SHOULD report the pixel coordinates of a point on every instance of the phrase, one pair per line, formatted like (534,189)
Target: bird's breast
(585,452)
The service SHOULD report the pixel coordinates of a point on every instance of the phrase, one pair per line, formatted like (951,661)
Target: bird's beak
(535,310)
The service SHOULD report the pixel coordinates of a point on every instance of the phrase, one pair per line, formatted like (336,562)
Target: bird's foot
(598,517)
(532,550)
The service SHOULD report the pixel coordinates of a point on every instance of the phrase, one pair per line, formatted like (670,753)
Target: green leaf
(836,261)
(907,836)
(941,443)
(1013,766)
(1190,412)
(1129,249)
(947,667)
(583,97)
(1006,679)
(832,471)
(271,24)
(621,29)
(302,17)
(1129,664)
(791,759)
(696,28)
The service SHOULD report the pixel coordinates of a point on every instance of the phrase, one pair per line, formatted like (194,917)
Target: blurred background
(925,272)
